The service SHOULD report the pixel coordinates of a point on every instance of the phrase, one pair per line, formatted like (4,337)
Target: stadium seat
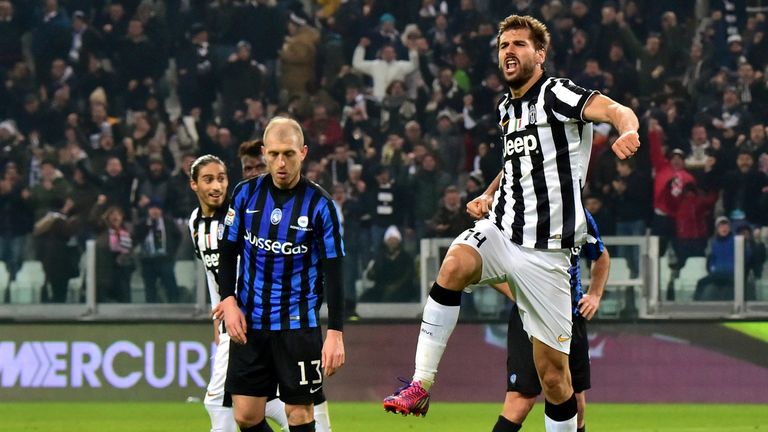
(4,276)
(619,269)
(185,276)
(695,269)
(29,280)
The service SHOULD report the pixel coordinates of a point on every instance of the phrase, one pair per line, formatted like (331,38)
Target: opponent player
(253,164)
(536,218)
(522,381)
(286,231)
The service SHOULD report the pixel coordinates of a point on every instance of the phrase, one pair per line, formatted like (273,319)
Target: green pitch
(369,417)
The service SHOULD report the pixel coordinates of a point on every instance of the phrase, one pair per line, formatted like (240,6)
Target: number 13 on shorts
(314,370)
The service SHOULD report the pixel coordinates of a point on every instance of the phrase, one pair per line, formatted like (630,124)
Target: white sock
(322,418)
(569,425)
(275,410)
(437,324)
(222,419)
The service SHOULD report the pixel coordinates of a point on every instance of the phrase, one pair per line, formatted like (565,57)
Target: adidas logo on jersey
(520,144)
(275,246)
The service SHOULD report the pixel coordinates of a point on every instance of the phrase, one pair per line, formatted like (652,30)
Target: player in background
(287,233)
(536,217)
(208,179)
(523,386)
(253,164)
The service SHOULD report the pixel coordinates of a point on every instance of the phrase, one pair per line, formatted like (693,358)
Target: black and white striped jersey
(546,147)
(205,238)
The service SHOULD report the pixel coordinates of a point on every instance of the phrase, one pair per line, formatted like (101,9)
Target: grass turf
(370,417)
(758,330)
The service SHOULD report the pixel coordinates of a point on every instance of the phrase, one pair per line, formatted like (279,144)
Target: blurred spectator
(392,272)
(116,183)
(752,91)
(451,218)
(756,143)
(692,228)
(114,24)
(350,212)
(50,37)
(159,238)
(85,42)
(139,63)
(449,145)
(384,204)
(48,195)
(197,73)
(11,31)
(700,145)
(729,118)
(718,284)
(155,187)
(670,177)
(340,165)
(396,108)
(15,221)
(298,57)
(385,69)
(698,72)
(741,187)
(426,188)
(322,132)
(631,201)
(115,262)
(244,80)
(58,251)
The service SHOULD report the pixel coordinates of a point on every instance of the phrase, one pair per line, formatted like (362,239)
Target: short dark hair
(250,148)
(202,161)
(539,32)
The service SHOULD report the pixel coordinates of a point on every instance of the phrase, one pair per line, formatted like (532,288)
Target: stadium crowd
(105,104)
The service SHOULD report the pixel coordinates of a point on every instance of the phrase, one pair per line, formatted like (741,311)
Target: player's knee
(554,381)
(246,420)
(457,269)
(298,414)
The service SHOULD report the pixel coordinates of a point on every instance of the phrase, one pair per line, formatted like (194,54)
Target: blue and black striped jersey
(590,250)
(281,237)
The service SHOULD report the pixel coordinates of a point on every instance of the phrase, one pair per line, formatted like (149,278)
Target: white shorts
(539,277)
(214,394)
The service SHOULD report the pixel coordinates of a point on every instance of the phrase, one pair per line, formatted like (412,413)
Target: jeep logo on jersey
(276,216)
(521,143)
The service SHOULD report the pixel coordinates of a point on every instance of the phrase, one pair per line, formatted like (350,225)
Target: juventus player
(536,217)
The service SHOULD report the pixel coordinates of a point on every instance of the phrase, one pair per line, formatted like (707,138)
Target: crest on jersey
(531,113)
(276,216)
(230,218)
(220,232)
(303,221)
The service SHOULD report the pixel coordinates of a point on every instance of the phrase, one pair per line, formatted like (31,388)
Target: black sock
(504,425)
(565,411)
(582,429)
(261,427)
(445,296)
(307,427)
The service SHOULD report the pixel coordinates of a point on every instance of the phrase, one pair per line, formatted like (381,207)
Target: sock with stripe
(561,417)
(437,323)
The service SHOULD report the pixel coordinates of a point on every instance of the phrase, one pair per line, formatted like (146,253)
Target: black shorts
(521,371)
(288,360)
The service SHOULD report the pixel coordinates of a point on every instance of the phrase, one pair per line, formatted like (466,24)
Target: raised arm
(603,109)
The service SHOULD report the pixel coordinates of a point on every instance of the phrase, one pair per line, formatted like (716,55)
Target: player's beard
(524,74)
